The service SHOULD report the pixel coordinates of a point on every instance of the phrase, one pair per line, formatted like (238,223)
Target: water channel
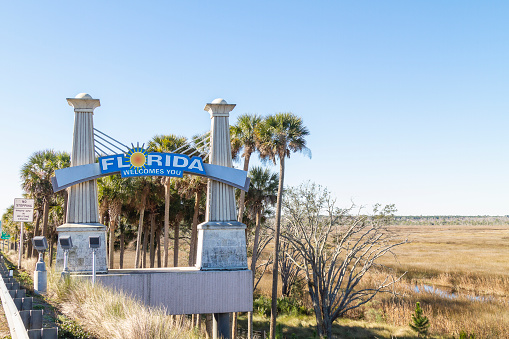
(450,295)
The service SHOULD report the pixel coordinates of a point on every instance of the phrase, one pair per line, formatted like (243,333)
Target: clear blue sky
(406,101)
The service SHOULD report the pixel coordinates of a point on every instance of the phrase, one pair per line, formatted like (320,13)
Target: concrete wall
(186,290)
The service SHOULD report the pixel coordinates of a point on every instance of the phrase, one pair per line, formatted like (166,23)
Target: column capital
(83,102)
(219,108)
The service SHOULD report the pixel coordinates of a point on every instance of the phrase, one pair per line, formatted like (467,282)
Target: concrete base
(222,246)
(81,256)
(185,290)
(40,278)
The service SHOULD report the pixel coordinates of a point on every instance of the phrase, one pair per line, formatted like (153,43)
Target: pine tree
(420,323)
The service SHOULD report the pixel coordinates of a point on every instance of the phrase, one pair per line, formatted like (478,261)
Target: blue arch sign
(141,163)
(154,164)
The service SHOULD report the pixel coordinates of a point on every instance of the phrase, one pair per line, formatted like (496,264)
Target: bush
(465,335)
(262,305)
(69,329)
(291,306)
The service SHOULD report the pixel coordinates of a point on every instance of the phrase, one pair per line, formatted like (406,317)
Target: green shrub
(69,329)
(262,305)
(420,323)
(465,335)
(291,306)
(25,279)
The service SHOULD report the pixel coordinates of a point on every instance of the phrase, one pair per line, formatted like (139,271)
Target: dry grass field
(462,273)
(480,249)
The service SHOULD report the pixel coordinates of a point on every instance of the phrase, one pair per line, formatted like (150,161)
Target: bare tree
(289,271)
(261,264)
(335,250)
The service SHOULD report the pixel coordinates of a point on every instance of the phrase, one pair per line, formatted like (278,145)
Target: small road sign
(23,210)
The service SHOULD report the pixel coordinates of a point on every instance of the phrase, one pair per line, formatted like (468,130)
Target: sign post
(23,212)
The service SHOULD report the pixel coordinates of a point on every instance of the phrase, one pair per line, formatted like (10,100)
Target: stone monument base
(81,256)
(222,246)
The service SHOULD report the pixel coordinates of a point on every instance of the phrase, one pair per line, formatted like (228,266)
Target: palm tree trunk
(273,313)
(158,241)
(113,226)
(194,230)
(234,325)
(240,217)
(242,193)
(176,246)
(152,239)
(45,218)
(140,230)
(36,230)
(166,219)
(51,241)
(122,245)
(66,200)
(254,258)
(145,241)
(29,245)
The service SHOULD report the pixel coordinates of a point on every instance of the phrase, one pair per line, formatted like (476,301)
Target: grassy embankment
(103,313)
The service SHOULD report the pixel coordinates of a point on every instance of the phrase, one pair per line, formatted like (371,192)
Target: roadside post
(23,212)
(66,244)
(94,243)
(40,275)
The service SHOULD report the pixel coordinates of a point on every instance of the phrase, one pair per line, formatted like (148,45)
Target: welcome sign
(138,162)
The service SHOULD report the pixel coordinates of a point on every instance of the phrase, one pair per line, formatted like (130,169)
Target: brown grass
(112,314)
(468,261)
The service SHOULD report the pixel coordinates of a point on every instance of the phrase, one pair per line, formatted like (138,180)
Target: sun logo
(137,156)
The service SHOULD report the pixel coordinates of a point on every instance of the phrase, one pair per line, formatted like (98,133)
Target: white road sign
(23,210)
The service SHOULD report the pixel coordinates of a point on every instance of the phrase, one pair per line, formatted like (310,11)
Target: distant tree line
(451,220)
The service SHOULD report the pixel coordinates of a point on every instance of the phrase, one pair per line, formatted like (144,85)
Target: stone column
(221,238)
(82,207)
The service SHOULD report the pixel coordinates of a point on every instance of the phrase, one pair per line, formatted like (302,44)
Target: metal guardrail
(24,323)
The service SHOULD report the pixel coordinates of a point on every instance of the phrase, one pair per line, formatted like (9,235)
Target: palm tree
(193,187)
(262,194)
(56,217)
(142,186)
(243,136)
(36,176)
(279,135)
(114,190)
(166,143)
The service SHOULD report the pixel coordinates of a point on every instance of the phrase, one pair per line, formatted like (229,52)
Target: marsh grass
(468,261)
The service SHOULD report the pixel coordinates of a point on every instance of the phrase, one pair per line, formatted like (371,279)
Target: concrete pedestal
(222,246)
(81,256)
(40,277)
